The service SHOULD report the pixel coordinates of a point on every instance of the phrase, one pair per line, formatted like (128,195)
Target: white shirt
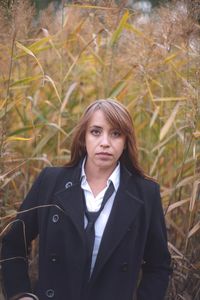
(94,204)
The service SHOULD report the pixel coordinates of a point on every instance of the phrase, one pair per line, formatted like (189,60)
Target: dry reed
(54,64)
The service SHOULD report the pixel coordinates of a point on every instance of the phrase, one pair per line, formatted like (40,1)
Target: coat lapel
(125,209)
(70,198)
(71,201)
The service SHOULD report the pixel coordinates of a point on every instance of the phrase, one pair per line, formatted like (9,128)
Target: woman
(92,248)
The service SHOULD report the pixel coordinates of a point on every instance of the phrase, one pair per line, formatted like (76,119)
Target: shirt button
(55,218)
(68,184)
(50,293)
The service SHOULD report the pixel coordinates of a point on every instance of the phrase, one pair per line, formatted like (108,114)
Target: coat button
(55,218)
(53,258)
(50,293)
(68,184)
(124,267)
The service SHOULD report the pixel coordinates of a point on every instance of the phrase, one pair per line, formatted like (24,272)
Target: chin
(106,165)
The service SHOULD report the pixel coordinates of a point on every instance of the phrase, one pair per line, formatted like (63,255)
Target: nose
(105,142)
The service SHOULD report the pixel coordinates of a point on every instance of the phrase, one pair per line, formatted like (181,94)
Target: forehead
(99,117)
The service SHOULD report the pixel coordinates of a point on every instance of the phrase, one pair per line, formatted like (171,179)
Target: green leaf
(3,112)
(24,129)
(43,142)
(118,31)
(18,138)
(29,52)
(118,88)
(120,85)
(26,80)
(38,44)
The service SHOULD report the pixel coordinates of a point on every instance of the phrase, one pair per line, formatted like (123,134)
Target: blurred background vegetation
(44,3)
(55,62)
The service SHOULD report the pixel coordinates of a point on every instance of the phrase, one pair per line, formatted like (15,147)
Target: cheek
(89,143)
(120,147)
(87,140)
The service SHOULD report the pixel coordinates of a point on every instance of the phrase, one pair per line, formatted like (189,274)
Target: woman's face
(104,144)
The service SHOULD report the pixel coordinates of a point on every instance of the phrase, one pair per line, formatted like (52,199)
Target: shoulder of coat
(145,182)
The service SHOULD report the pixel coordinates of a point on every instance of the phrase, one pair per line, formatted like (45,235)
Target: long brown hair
(118,116)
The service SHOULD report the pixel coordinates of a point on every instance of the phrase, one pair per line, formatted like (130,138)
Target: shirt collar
(114,177)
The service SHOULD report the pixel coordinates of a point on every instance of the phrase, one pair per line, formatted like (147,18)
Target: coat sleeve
(16,243)
(156,268)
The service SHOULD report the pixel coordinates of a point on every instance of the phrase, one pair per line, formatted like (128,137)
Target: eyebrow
(95,126)
(100,128)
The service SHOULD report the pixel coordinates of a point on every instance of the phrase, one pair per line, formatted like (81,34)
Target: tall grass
(55,64)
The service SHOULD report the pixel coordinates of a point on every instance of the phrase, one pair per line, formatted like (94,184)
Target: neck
(97,174)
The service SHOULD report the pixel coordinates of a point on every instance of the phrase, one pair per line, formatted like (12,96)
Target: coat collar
(125,208)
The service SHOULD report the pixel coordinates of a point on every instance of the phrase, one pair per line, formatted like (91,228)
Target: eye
(95,132)
(116,133)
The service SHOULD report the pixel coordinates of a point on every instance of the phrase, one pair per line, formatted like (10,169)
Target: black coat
(134,239)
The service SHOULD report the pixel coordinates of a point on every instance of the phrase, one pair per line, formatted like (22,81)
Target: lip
(103,154)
